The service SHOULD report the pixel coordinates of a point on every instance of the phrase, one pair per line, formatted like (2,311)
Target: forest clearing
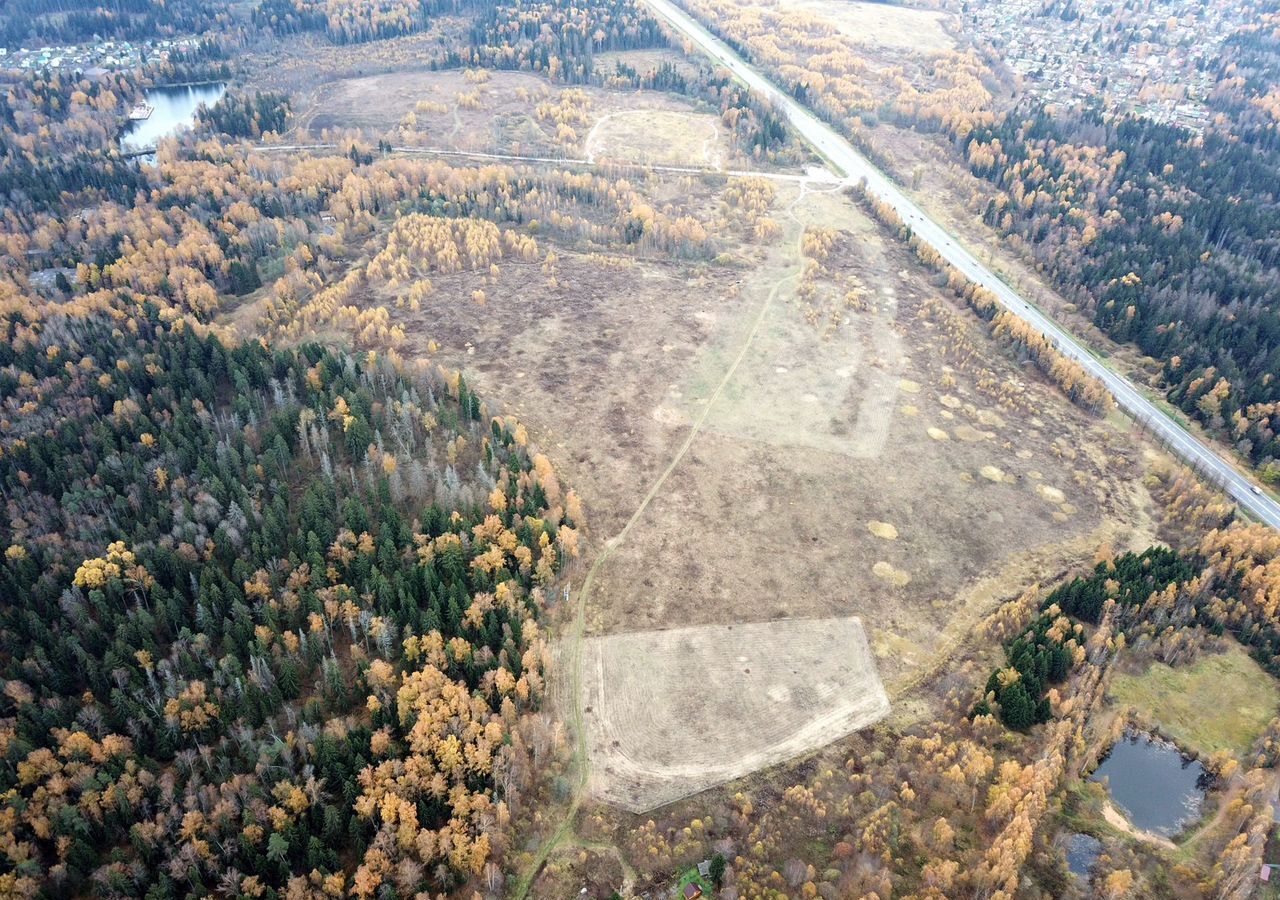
(862,386)
(823,430)
(523,114)
(1222,701)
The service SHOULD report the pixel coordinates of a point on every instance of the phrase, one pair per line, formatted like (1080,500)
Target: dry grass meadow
(896,466)
(904,416)
(521,113)
(658,137)
(881,24)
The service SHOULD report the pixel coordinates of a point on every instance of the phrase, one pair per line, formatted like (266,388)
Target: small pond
(173,108)
(1157,788)
(1082,852)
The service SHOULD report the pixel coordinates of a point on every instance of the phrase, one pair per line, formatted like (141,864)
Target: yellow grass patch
(883,530)
(1052,494)
(886,572)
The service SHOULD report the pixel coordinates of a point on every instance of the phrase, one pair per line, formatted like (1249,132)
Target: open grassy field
(1223,701)
(509,112)
(883,461)
(584,371)
(881,24)
(885,420)
(658,137)
(670,713)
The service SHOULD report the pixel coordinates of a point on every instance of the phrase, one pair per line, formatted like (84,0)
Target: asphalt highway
(855,168)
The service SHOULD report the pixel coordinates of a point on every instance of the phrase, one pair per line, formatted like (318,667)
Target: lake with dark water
(175,108)
(1156,788)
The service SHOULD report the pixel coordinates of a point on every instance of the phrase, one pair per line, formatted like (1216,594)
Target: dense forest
(58,132)
(555,36)
(272,618)
(39,22)
(239,115)
(276,616)
(559,37)
(1167,238)
(1164,235)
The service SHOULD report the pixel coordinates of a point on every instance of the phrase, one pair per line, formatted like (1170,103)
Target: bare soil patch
(670,713)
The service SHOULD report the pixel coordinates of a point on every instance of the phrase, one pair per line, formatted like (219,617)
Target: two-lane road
(855,167)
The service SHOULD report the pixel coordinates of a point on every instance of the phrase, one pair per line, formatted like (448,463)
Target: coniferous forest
(271,601)
(1168,239)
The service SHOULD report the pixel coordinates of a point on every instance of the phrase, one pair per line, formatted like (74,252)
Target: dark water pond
(1082,852)
(1153,784)
(174,108)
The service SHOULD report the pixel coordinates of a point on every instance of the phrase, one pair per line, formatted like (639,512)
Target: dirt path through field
(1224,805)
(573,655)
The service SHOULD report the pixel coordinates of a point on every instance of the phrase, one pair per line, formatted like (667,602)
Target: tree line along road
(857,168)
